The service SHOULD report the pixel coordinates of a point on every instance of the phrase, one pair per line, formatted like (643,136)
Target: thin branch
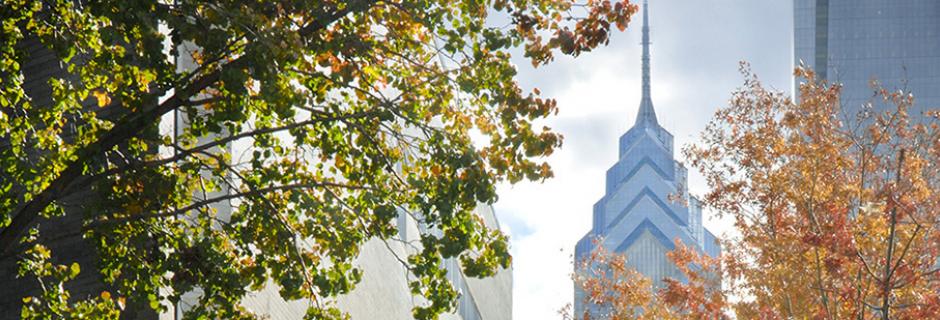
(206,202)
(885,300)
(26,215)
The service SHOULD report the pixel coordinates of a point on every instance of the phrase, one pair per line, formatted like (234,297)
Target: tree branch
(24,217)
(886,283)
(206,202)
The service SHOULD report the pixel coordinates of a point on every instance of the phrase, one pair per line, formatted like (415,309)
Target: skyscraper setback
(636,216)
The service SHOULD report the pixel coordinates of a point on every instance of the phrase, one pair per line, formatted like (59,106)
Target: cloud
(695,54)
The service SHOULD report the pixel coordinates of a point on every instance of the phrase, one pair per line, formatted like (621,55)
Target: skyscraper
(852,42)
(636,216)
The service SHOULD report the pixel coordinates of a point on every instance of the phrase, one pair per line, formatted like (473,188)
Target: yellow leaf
(340,161)
(103,98)
(75,269)
(143,79)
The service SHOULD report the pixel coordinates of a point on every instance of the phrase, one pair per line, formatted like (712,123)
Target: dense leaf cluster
(349,113)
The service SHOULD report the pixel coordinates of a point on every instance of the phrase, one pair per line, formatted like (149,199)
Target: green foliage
(53,300)
(354,111)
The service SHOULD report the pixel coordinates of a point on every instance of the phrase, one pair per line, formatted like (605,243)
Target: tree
(613,290)
(837,214)
(355,111)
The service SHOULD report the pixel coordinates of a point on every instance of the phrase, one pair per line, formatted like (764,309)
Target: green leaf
(75,269)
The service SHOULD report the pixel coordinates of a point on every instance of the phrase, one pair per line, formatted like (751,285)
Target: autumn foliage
(612,289)
(835,212)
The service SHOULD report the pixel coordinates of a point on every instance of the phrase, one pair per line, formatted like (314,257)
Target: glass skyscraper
(852,42)
(637,217)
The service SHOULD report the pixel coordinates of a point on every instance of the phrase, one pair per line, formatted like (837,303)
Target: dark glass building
(853,42)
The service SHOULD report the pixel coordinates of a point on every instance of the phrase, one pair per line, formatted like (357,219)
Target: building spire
(646,115)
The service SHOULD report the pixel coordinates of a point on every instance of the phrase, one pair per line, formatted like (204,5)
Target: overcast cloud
(695,53)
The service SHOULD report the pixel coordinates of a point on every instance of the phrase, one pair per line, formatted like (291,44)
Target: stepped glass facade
(636,216)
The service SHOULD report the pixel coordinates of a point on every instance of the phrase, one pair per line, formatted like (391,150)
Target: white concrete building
(383,292)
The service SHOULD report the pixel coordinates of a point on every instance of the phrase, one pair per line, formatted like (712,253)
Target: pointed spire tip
(646,114)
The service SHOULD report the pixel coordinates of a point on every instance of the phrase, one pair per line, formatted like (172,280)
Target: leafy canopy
(355,112)
(837,206)
(836,214)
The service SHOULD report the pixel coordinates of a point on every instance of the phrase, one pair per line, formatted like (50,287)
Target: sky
(696,48)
